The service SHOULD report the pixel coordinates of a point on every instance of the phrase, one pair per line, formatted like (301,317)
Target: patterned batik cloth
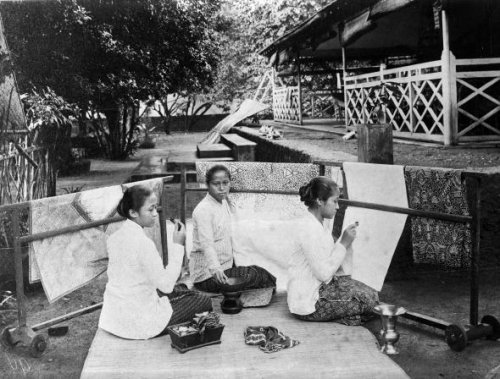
(343,300)
(438,242)
(255,277)
(268,338)
(268,176)
(67,262)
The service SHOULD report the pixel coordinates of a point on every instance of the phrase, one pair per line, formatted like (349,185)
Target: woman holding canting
(319,288)
(133,307)
(212,255)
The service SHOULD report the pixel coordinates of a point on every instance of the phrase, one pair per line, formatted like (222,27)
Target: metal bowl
(233,284)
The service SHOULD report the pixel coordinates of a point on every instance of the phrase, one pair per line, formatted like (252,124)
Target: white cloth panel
(378,232)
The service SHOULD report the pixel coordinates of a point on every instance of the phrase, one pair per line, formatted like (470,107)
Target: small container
(194,340)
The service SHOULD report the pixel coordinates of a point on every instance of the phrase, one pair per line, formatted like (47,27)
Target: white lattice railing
(417,108)
(478,99)
(286,104)
(322,104)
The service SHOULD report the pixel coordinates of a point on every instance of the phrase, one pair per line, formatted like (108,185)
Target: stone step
(216,150)
(243,149)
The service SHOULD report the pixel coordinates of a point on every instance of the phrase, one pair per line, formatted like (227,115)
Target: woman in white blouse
(212,256)
(318,287)
(133,306)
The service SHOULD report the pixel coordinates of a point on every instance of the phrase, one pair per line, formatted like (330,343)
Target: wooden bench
(243,149)
(216,150)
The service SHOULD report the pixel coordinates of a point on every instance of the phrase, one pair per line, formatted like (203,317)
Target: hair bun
(305,192)
(120,209)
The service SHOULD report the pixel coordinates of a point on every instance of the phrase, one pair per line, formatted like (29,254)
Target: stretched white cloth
(378,232)
(67,262)
(247,108)
(263,228)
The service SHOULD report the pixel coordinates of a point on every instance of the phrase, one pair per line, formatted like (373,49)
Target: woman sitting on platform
(318,287)
(133,303)
(212,255)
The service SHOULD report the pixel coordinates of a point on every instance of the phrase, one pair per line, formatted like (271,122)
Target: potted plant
(148,142)
(205,329)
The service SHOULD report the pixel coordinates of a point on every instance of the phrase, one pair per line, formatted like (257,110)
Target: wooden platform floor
(326,350)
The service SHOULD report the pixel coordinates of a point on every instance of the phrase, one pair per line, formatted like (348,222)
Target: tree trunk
(121,131)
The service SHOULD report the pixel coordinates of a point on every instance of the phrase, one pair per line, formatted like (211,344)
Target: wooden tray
(183,350)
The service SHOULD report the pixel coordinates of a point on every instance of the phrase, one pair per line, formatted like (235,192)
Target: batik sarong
(343,300)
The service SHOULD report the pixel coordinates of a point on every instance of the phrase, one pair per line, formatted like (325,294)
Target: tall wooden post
(449,86)
(346,114)
(300,87)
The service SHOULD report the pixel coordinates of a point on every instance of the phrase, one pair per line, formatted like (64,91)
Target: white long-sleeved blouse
(315,259)
(132,308)
(212,245)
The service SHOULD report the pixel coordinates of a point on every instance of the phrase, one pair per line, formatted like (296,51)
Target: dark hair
(215,168)
(133,198)
(320,188)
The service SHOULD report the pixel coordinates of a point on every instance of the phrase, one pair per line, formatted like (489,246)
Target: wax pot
(231,290)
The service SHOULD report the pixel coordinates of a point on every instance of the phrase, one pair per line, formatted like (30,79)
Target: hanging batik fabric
(438,242)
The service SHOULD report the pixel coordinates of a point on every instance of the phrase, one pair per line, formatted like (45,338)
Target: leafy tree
(106,55)
(49,120)
(254,24)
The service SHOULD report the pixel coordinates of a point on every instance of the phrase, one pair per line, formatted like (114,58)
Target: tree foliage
(106,55)
(49,120)
(254,24)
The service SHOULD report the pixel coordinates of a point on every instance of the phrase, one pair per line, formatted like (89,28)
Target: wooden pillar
(300,87)
(449,86)
(346,114)
(273,78)
(18,264)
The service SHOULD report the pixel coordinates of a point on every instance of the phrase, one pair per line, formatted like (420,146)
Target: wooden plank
(215,150)
(478,61)
(493,138)
(237,140)
(328,350)
(419,136)
(479,74)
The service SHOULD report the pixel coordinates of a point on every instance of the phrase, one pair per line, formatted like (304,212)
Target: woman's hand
(349,235)
(219,275)
(179,236)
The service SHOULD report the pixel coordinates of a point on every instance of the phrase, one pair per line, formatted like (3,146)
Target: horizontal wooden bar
(419,136)
(477,61)
(69,229)
(478,74)
(328,163)
(426,320)
(247,191)
(73,228)
(360,204)
(67,316)
(492,138)
(408,211)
